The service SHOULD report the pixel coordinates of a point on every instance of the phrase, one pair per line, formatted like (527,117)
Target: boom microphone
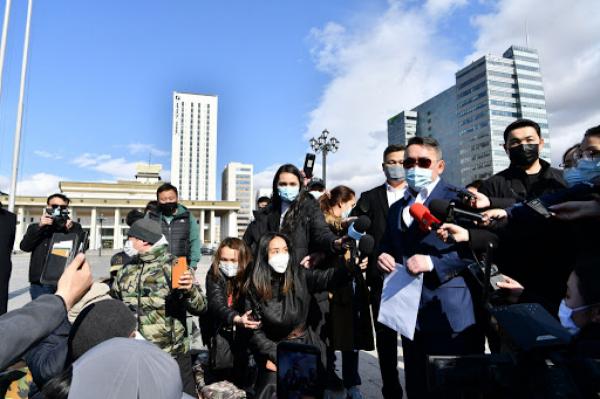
(426,220)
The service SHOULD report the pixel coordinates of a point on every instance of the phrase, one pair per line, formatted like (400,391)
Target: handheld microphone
(426,220)
(359,227)
(366,245)
(448,212)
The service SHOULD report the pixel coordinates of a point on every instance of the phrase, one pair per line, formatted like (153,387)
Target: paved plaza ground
(19,296)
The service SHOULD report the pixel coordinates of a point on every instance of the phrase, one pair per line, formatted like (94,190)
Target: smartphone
(539,207)
(309,164)
(298,371)
(178,269)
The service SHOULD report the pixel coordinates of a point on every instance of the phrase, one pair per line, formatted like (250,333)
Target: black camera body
(59,217)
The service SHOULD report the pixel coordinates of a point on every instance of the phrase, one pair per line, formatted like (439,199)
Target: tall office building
(194,146)
(237,186)
(469,118)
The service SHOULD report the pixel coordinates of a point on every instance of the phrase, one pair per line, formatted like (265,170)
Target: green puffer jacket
(144,284)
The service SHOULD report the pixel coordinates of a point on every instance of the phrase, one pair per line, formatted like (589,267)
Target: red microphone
(427,221)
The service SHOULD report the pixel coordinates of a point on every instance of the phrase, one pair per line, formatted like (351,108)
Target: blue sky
(101,75)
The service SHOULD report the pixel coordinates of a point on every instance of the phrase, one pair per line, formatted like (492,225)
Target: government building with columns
(101,209)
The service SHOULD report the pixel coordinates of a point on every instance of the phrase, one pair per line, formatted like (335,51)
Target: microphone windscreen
(366,245)
(439,208)
(418,211)
(362,224)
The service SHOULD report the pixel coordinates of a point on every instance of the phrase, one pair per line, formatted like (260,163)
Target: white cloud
(436,8)
(145,149)
(391,64)
(264,179)
(119,168)
(38,184)
(567,37)
(47,154)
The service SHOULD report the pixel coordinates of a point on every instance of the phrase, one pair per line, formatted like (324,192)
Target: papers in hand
(400,300)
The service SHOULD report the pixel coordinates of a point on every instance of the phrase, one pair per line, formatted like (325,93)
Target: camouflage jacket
(144,284)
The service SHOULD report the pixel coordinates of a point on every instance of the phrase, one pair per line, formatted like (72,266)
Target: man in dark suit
(375,204)
(445,319)
(8,223)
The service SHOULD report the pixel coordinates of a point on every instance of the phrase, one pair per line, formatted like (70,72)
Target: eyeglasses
(591,154)
(424,163)
(54,206)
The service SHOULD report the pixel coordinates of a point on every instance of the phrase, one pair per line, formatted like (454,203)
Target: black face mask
(168,208)
(524,154)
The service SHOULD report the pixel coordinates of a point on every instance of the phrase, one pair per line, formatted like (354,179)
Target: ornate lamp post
(100,220)
(324,144)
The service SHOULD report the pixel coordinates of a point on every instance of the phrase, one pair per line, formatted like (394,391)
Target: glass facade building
(469,118)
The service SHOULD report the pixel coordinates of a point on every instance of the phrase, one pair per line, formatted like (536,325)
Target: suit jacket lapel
(382,196)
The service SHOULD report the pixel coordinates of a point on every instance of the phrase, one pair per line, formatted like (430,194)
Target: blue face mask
(585,171)
(418,178)
(346,213)
(288,193)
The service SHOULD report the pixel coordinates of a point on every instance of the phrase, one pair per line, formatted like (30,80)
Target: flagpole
(17,143)
(3,40)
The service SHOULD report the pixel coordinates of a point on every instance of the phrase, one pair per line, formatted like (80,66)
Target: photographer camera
(55,219)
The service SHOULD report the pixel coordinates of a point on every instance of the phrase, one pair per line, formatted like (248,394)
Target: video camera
(531,362)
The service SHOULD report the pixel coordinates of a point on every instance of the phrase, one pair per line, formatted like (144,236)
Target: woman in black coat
(279,293)
(293,212)
(225,294)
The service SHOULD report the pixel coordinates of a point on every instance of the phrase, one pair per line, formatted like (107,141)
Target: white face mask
(316,194)
(279,262)
(229,269)
(129,249)
(565,314)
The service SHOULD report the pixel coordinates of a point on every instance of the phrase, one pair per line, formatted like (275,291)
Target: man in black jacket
(536,259)
(375,204)
(38,236)
(8,223)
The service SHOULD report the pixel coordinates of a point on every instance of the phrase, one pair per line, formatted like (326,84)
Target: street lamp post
(324,144)
(100,220)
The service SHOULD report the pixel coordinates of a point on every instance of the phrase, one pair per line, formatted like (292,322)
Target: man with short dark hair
(36,240)
(263,202)
(178,225)
(375,204)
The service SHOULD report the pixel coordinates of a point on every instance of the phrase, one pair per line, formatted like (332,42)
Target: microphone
(366,245)
(359,227)
(448,212)
(426,220)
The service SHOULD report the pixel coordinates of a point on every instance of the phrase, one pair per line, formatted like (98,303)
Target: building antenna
(526,35)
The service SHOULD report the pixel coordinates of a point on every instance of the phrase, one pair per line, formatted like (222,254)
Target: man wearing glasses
(37,240)
(445,317)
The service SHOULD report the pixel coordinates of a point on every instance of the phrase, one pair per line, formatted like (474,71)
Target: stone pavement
(19,296)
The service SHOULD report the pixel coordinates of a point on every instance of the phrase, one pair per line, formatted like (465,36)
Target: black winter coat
(311,234)
(8,222)
(282,314)
(36,241)
(216,293)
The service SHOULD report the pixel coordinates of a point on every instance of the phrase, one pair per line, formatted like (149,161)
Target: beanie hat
(133,216)
(146,230)
(99,322)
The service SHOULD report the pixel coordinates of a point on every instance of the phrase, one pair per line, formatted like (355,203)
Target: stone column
(94,229)
(202,223)
(213,239)
(117,237)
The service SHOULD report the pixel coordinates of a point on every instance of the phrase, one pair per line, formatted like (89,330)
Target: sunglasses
(424,163)
(54,206)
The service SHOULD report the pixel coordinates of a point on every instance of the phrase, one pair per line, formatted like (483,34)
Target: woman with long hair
(347,316)
(229,322)
(294,212)
(279,294)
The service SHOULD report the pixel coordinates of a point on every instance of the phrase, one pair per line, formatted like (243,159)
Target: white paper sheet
(400,301)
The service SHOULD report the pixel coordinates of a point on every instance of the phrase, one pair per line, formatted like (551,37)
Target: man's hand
(575,210)
(246,321)
(186,280)
(75,281)
(271,366)
(417,264)
(312,260)
(481,201)
(515,289)
(46,220)
(493,215)
(386,263)
(459,234)
(69,224)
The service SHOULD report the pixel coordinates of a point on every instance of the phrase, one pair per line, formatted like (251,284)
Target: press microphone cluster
(448,212)
(361,243)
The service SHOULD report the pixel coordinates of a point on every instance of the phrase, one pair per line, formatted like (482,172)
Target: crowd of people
(300,275)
